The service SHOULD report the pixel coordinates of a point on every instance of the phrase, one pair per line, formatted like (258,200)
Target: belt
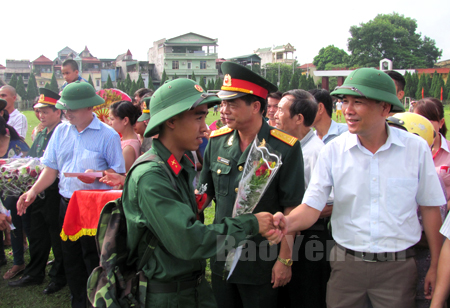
(380,256)
(176,286)
(66,199)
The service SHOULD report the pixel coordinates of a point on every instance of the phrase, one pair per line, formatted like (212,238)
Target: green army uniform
(222,169)
(151,203)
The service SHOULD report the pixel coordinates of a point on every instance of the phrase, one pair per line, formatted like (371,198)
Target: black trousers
(45,235)
(80,258)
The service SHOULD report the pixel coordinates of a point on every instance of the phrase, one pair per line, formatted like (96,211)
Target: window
(175,65)
(98,82)
(96,66)
(279,56)
(203,65)
(189,65)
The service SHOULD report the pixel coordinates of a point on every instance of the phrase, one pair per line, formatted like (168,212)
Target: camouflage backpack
(114,283)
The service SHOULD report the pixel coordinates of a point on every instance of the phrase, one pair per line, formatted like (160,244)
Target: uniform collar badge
(174,164)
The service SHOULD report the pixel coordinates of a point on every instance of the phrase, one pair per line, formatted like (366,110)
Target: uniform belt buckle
(363,257)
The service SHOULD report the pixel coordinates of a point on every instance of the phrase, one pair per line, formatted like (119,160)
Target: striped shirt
(97,147)
(445,229)
(19,121)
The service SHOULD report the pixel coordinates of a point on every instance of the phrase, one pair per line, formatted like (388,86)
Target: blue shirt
(79,79)
(97,147)
(15,148)
(336,129)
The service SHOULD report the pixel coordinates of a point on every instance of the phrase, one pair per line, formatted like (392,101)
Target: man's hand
(281,275)
(87,179)
(4,222)
(280,228)
(25,201)
(113,179)
(430,283)
(265,223)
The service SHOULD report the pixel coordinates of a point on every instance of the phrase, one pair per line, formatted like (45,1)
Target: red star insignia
(174,165)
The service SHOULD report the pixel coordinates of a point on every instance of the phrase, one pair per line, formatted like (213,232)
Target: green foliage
(303,83)
(127,83)
(423,84)
(32,90)
(447,89)
(440,85)
(218,83)
(284,83)
(256,68)
(202,82)
(331,56)
(133,88)
(54,84)
(163,77)
(150,83)
(274,71)
(193,76)
(20,88)
(175,76)
(47,85)
(140,82)
(108,84)
(391,36)
(90,81)
(13,81)
(295,79)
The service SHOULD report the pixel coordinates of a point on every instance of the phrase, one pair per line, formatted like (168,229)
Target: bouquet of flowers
(260,168)
(17,175)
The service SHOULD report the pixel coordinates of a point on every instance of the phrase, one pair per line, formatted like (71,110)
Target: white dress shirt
(375,195)
(311,146)
(19,122)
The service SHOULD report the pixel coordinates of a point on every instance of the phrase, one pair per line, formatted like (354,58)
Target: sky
(110,28)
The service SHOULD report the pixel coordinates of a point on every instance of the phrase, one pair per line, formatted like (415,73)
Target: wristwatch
(287,262)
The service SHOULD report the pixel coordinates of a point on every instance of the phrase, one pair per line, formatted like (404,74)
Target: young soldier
(44,213)
(374,221)
(176,268)
(254,282)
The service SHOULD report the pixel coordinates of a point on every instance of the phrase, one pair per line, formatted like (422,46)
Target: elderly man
(374,221)
(254,282)
(83,144)
(16,119)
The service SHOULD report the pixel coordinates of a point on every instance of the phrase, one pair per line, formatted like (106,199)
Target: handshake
(272,227)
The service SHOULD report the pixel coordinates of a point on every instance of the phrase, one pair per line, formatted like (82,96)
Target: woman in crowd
(11,144)
(123,116)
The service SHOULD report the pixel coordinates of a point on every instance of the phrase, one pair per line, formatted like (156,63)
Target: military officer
(254,282)
(151,202)
(44,213)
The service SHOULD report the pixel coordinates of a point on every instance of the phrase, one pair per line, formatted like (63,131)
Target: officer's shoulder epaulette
(220,132)
(286,138)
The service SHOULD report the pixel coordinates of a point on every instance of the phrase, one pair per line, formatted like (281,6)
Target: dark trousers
(310,271)
(45,235)
(22,223)
(233,295)
(80,258)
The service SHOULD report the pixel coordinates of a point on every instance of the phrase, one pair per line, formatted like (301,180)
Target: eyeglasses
(203,97)
(351,89)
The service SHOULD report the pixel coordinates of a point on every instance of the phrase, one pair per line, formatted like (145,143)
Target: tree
(293,84)
(218,83)
(440,85)
(140,82)
(32,91)
(54,84)
(302,84)
(310,82)
(127,83)
(47,85)
(447,89)
(202,83)
(13,81)
(90,81)
(330,55)
(133,88)
(422,87)
(284,83)
(20,88)
(193,76)
(150,83)
(175,76)
(434,83)
(391,36)
(163,77)
(108,84)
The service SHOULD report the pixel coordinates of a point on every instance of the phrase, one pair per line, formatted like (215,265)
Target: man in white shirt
(326,128)
(339,110)
(16,119)
(307,288)
(380,175)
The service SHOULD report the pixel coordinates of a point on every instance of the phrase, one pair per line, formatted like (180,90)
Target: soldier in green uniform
(262,268)
(176,268)
(44,226)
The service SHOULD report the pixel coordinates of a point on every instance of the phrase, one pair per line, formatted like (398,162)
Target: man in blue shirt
(84,144)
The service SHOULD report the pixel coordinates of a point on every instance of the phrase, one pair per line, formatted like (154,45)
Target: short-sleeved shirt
(375,195)
(445,229)
(442,163)
(150,202)
(286,190)
(19,121)
(336,129)
(15,148)
(97,147)
(311,146)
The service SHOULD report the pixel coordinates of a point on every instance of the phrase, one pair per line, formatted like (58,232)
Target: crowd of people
(351,219)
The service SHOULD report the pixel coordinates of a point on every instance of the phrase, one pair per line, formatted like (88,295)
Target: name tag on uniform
(223,160)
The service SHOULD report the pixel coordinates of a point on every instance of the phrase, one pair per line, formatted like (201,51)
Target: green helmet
(77,95)
(370,83)
(145,110)
(173,98)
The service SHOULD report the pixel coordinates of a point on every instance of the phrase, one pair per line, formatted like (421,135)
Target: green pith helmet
(77,95)
(239,81)
(145,110)
(173,98)
(370,83)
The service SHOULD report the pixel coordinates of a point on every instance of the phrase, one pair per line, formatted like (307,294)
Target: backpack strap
(150,238)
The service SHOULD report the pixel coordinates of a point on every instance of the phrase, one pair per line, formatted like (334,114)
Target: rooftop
(43,60)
